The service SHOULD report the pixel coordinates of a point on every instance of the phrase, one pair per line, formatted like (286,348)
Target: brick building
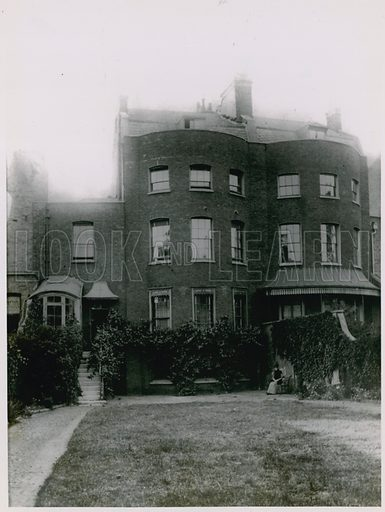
(217,213)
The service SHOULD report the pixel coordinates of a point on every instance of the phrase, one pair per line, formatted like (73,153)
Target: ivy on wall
(316,346)
(185,353)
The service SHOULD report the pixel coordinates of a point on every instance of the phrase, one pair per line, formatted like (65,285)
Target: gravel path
(34,445)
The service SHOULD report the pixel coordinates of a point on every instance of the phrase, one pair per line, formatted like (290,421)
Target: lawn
(253,452)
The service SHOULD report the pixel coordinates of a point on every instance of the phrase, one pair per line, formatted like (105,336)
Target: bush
(48,362)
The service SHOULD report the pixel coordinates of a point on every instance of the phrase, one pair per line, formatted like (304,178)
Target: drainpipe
(372,234)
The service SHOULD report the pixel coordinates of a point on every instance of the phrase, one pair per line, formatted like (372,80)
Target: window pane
(160,310)
(235,182)
(203,310)
(288,185)
(84,243)
(54,315)
(160,240)
(355,191)
(200,178)
(329,241)
(201,238)
(159,180)
(237,252)
(328,185)
(290,243)
(357,247)
(239,310)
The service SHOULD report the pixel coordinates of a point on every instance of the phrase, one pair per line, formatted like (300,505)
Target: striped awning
(324,280)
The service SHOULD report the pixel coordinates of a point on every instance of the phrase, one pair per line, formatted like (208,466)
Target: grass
(210,454)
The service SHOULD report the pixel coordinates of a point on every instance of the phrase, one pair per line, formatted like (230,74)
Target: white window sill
(358,267)
(289,197)
(202,261)
(294,264)
(160,262)
(201,190)
(158,192)
(237,194)
(355,202)
(85,260)
(329,197)
(241,263)
(330,264)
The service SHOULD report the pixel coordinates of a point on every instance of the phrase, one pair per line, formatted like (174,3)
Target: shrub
(48,373)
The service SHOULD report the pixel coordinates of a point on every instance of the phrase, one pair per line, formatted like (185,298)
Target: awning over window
(60,284)
(100,290)
(324,280)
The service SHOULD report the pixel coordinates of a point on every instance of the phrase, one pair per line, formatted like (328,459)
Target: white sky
(68,61)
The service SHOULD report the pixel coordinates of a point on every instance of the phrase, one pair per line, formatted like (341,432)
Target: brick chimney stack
(333,120)
(243,96)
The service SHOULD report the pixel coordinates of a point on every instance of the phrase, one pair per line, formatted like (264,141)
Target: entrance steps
(91,385)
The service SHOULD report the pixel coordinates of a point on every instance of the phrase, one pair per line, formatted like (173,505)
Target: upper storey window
(236,181)
(160,240)
(200,177)
(83,241)
(330,243)
(201,239)
(237,242)
(355,191)
(288,185)
(159,179)
(290,244)
(328,185)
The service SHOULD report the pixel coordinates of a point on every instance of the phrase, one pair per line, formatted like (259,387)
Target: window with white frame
(328,185)
(203,308)
(57,309)
(290,244)
(236,181)
(288,185)
(356,247)
(160,309)
(160,240)
(240,308)
(201,239)
(237,242)
(200,177)
(83,241)
(159,179)
(355,191)
(330,243)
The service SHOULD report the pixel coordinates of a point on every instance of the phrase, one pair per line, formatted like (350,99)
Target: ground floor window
(57,309)
(13,311)
(203,308)
(160,309)
(292,310)
(240,308)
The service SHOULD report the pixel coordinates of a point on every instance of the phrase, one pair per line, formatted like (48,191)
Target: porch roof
(60,284)
(320,280)
(100,290)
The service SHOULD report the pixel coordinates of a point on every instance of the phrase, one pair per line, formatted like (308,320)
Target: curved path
(34,445)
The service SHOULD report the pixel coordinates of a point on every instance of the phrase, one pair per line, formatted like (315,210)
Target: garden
(43,361)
